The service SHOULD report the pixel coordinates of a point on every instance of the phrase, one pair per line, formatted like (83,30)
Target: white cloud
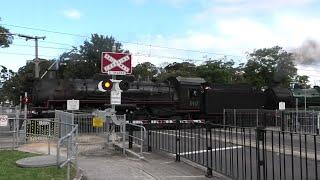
(235,36)
(72,14)
(235,8)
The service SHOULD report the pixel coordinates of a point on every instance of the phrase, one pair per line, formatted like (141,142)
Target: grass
(9,170)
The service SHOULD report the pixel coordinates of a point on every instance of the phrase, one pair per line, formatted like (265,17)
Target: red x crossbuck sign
(116,63)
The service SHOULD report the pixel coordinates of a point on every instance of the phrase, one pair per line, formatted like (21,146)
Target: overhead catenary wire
(46,47)
(125,42)
(25,54)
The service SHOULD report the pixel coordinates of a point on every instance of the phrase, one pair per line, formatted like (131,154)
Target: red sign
(116,63)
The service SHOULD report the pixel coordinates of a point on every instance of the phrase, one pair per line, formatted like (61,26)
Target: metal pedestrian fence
(287,120)
(240,152)
(58,134)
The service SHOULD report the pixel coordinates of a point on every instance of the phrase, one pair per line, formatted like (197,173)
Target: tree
(269,66)
(145,71)
(5,74)
(217,71)
(303,81)
(5,37)
(175,69)
(85,62)
(20,82)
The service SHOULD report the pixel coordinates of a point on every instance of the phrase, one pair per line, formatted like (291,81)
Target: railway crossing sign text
(115,97)
(3,120)
(116,63)
(73,105)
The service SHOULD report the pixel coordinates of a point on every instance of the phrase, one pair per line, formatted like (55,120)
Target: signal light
(124,85)
(107,85)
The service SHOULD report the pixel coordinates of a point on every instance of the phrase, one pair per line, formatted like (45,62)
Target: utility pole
(36,61)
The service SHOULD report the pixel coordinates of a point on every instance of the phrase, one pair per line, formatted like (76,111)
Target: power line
(44,30)
(47,47)
(127,42)
(24,54)
(51,42)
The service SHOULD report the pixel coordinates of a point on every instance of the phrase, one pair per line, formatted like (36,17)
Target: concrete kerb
(38,161)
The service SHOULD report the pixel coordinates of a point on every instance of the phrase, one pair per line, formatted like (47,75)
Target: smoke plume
(308,53)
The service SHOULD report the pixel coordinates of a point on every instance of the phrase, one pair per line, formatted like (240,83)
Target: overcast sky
(214,27)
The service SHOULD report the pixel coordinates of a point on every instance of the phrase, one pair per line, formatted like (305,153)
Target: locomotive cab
(188,92)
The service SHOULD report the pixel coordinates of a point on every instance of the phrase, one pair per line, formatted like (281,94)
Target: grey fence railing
(69,140)
(287,120)
(58,134)
(136,135)
(240,152)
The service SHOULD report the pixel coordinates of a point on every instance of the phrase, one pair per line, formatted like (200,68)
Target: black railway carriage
(218,97)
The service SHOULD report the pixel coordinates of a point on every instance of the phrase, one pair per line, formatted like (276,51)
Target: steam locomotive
(177,96)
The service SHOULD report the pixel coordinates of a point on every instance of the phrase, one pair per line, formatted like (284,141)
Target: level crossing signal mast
(114,64)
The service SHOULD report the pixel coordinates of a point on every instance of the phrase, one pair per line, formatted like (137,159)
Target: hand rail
(143,135)
(74,129)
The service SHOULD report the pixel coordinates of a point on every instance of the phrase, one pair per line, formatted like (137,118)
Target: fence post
(235,117)
(178,140)
(68,157)
(257,117)
(124,135)
(260,134)
(49,136)
(130,117)
(149,135)
(318,123)
(209,148)
(282,119)
(224,116)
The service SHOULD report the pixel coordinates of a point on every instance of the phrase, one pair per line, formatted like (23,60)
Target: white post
(25,105)
(297,115)
(49,136)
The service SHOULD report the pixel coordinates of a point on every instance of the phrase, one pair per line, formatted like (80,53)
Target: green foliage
(303,81)
(175,69)
(21,82)
(145,71)
(268,66)
(85,62)
(217,71)
(5,37)
(5,74)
